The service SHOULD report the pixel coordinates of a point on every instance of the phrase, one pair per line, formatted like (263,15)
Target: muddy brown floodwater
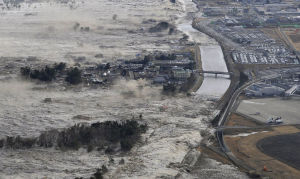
(115,29)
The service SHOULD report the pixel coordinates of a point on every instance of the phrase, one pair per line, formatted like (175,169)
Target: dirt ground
(198,78)
(289,36)
(273,33)
(293,36)
(237,119)
(210,153)
(208,163)
(244,148)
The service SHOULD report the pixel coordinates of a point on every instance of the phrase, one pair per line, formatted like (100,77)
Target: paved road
(225,114)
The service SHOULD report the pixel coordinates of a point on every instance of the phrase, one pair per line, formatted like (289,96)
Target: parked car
(275,120)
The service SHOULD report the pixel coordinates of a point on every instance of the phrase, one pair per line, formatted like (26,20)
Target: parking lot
(257,47)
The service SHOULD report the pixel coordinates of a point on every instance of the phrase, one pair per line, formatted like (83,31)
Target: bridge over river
(215,72)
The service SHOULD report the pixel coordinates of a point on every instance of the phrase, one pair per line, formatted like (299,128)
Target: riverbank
(213,60)
(226,46)
(193,34)
(198,77)
(209,87)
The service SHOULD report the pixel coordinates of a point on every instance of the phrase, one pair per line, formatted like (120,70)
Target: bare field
(293,36)
(282,147)
(244,148)
(236,119)
(273,33)
(289,36)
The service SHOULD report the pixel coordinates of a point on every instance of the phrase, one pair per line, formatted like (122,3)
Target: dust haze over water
(46,30)
(117,28)
(171,134)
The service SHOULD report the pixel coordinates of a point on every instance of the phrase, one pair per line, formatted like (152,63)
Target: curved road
(224,116)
